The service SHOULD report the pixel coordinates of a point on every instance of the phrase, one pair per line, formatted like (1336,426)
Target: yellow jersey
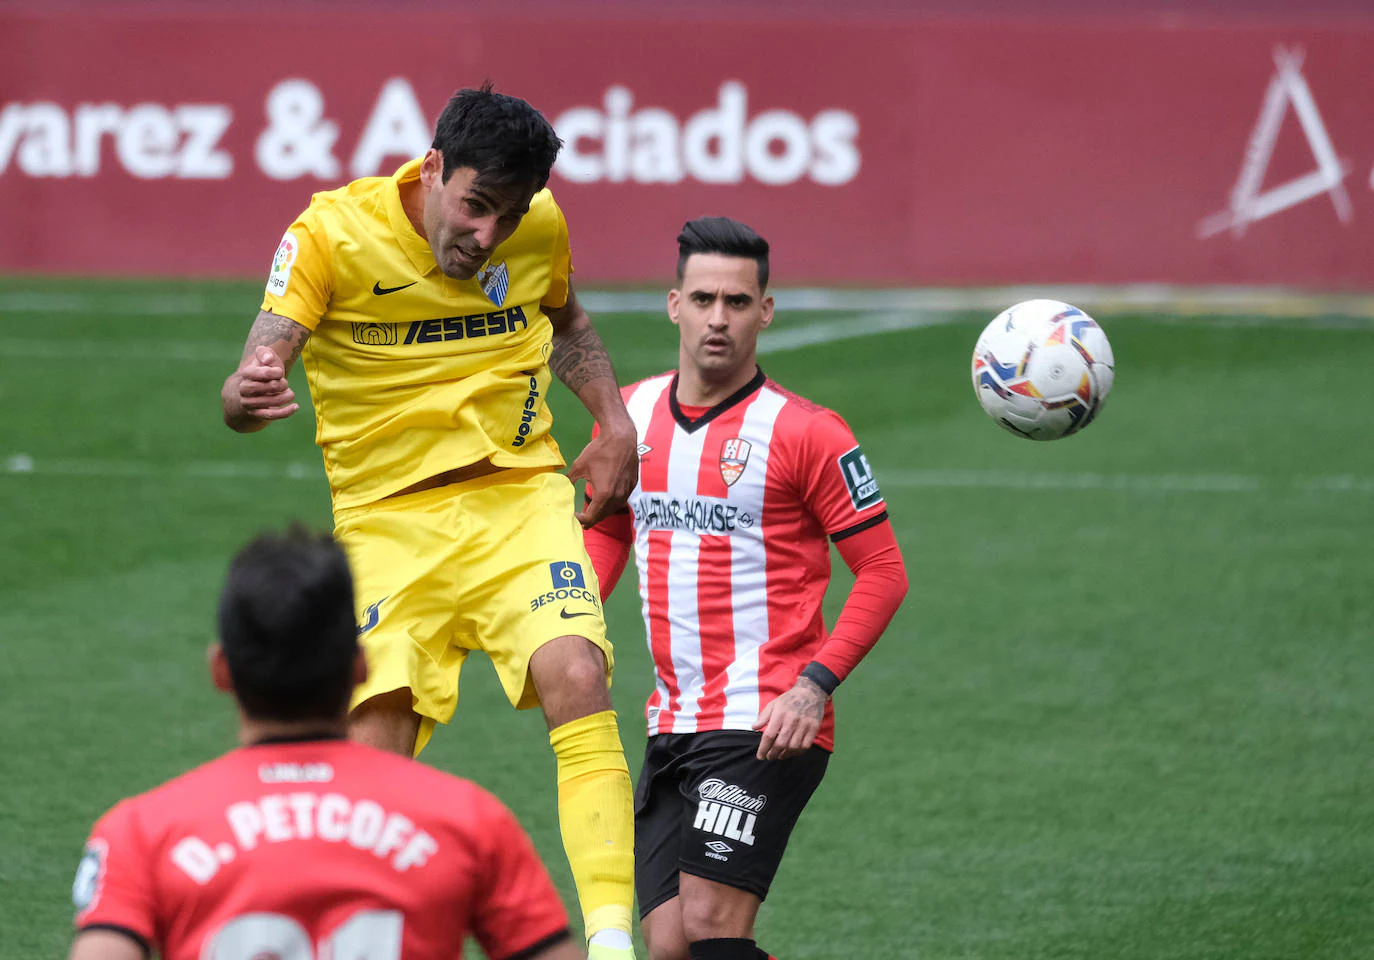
(412,372)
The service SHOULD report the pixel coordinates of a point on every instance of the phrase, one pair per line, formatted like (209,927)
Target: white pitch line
(113,303)
(1131,482)
(20,464)
(865,313)
(794,337)
(1010,480)
(846,328)
(784,337)
(1178,300)
(87,349)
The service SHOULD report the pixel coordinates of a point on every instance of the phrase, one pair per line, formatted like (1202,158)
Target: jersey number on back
(366,935)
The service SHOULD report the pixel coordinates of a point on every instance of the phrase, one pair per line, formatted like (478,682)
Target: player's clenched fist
(258,392)
(610,465)
(790,722)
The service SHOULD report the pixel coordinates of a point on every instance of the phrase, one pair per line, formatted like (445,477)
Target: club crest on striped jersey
(734,456)
(494,280)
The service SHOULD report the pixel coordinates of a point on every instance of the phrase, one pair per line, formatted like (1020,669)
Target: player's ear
(360,668)
(674,302)
(432,169)
(766,307)
(219,669)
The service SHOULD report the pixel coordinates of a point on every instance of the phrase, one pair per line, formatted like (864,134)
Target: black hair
(503,138)
(724,236)
(287,628)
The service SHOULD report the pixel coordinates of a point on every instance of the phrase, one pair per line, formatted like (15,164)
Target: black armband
(821,676)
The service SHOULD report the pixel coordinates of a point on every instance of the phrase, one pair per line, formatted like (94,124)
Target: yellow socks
(596,816)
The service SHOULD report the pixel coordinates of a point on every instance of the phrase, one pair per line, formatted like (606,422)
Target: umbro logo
(381,291)
(718,850)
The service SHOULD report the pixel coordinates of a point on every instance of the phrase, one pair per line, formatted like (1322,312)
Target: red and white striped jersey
(732,517)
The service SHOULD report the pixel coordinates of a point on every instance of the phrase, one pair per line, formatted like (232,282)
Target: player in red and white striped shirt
(742,488)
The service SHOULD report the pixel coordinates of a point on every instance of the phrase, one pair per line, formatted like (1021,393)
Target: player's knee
(706,918)
(571,669)
(387,722)
(587,672)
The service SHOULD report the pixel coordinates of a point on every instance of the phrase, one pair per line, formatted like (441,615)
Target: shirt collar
(739,396)
(416,247)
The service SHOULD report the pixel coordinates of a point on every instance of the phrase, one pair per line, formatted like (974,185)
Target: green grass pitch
(1125,712)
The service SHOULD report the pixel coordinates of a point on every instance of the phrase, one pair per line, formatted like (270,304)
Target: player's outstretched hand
(262,389)
(790,723)
(610,465)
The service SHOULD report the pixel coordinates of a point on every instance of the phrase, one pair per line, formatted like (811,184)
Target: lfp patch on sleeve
(282,263)
(859,479)
(89,874)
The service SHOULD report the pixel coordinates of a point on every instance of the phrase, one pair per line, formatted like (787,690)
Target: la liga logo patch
(282,262)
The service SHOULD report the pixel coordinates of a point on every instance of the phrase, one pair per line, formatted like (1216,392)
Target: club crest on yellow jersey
(494,280)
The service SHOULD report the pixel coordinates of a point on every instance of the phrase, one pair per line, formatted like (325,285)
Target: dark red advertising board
(878,147)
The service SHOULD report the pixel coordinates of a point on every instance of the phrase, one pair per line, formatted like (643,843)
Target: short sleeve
(521,907)
(560,266)
(301,279)
(113,886)
(835,479)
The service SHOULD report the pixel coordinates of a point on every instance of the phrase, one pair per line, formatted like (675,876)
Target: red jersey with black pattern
(733,517)
(312,849)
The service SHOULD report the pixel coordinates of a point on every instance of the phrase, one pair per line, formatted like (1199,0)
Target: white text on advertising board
(616,141)
(717,144)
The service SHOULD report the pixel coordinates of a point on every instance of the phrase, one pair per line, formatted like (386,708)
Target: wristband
(821,676)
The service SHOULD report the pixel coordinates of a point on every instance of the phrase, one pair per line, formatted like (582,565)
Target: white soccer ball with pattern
(1042,369)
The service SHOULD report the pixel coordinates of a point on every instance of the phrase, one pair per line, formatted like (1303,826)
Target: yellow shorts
(493,564)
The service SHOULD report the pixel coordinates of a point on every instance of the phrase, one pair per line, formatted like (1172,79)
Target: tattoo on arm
(810,699)
(269,328)
(580,357)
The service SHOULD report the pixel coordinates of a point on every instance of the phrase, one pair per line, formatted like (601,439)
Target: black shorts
(706,805)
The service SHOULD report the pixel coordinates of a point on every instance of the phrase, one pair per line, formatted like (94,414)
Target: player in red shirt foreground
(301,843)
(742,488)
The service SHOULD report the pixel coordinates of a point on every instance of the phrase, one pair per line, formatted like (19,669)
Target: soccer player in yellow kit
(429,308)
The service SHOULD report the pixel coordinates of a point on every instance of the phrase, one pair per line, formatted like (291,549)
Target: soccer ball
(1042,369)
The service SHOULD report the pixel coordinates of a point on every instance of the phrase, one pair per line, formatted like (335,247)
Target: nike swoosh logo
(382,291)
(568,616)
